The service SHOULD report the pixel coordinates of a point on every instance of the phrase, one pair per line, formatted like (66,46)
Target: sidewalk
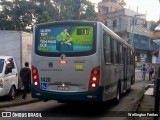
(4,102)
(147,103)
(147,100)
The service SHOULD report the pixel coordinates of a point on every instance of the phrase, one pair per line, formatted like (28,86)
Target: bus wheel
(118,94)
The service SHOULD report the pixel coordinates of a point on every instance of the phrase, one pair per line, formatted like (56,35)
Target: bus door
(125,69)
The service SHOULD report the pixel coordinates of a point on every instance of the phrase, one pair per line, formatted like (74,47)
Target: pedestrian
(25,74)
(143,70)
(150,71)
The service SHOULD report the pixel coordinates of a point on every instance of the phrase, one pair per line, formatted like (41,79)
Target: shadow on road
(80,109)
(5,98)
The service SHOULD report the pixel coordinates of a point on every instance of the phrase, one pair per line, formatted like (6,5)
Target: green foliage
(45,17)
(75,9)
(15,15)
(153,25)
(19,14)
(121,2)
(88,12)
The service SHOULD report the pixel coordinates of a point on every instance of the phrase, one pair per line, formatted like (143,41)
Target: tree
(154,25)
(65,9)
(16,15)
(121,2)
(19,14)
(40,7)
(45,17)
(75,9)
(87,11)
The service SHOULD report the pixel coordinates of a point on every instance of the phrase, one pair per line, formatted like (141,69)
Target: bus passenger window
(106,46)
(121,54)
(118,53)
(129,57)
(112,50)
(115,52)
(132,58)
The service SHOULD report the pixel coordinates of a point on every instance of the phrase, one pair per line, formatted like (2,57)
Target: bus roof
(66,21)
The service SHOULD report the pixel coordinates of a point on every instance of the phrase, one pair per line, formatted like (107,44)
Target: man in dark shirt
(25,74)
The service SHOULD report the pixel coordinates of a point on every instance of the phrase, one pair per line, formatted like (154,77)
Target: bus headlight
(1,83)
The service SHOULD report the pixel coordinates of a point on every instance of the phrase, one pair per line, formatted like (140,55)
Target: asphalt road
(79,111)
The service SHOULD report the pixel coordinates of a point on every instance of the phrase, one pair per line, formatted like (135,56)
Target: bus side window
(121,54)
(112,50)
(115,52)
(132,58)
(106,46)
(129,57)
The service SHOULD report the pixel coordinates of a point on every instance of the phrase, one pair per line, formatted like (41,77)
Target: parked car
(8,76)
(18,45)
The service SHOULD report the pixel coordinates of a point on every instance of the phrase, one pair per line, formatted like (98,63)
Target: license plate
(63,88)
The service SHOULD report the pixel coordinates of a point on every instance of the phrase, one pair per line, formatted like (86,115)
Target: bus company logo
(50,65)
(63,56)
(6,114)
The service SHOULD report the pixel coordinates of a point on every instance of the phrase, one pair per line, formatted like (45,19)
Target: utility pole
(76,9)
(132,30)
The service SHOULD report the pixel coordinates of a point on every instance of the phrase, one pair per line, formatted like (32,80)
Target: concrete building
(155,36)
(133,28)
(105,7)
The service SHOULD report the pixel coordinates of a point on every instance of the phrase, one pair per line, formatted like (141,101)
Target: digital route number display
(83,31)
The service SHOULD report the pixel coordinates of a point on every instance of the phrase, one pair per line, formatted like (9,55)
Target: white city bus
(80,61)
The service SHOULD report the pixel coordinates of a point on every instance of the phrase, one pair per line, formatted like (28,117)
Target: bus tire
(12,93)
(118,95)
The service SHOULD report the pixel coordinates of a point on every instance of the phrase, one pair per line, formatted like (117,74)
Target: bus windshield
(1,65)
(69,39)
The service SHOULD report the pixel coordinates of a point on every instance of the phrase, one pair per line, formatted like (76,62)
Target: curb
(141,96)
(135,108)
(140,99)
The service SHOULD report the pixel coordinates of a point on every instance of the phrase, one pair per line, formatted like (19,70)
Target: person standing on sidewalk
(143,70)
(150,71)
(25,74)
